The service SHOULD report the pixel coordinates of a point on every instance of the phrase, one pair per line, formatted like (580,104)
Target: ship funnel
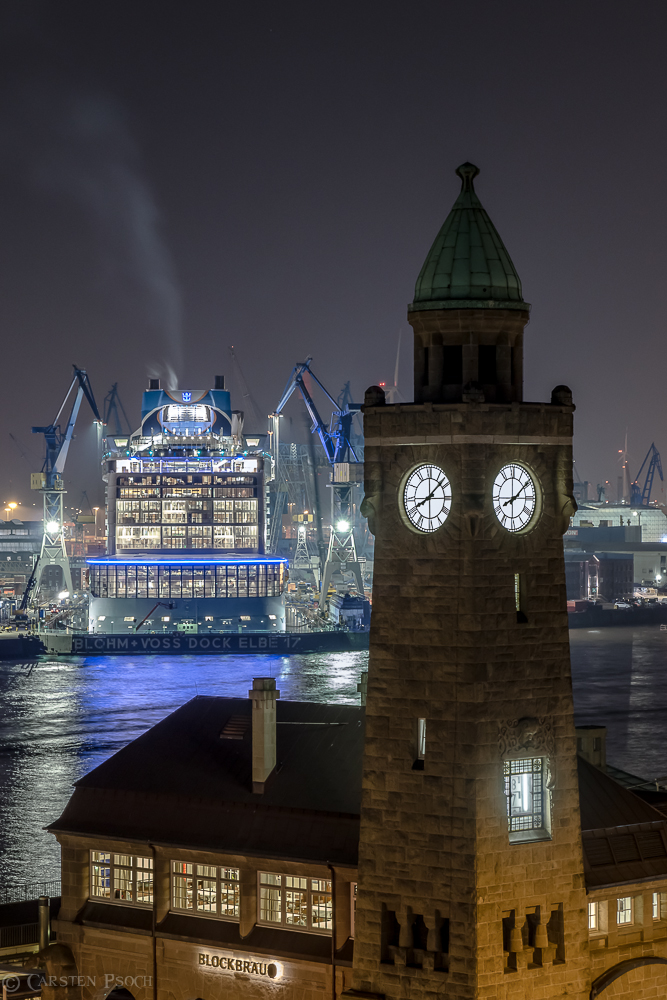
(219,381)
(154,383)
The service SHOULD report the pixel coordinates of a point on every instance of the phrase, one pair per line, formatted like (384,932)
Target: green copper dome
(468,266)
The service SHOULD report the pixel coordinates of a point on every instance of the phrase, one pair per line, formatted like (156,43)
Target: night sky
(180,177)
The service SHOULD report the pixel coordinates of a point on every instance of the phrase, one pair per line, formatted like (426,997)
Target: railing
(29,890)
(18,935)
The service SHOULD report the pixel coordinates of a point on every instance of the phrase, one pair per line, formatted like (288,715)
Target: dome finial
(467,172)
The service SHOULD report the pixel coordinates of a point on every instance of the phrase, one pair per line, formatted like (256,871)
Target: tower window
(420,748)
(527,798)
(519,599)
(487,367)
(452,358)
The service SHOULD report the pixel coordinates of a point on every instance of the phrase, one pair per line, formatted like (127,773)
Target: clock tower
(470,864)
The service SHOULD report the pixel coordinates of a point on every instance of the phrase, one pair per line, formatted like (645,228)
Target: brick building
(445,841)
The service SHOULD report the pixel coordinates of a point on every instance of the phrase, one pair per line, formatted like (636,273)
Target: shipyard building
(186,523)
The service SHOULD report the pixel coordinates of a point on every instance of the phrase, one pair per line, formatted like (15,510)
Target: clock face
(427,498)
(514,497)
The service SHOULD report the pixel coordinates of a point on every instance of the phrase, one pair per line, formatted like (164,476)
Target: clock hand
(516,495)
(429,497)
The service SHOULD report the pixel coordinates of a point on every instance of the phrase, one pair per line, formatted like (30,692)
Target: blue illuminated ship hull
(220,644)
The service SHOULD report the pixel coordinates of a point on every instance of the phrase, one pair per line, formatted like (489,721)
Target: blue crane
(336,438)
(641,495)
(342,457)
(50,480)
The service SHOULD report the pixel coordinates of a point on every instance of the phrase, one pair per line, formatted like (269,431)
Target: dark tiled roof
(181,784)
(624,838)
(604,803)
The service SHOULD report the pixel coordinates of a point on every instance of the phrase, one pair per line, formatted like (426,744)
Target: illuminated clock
(514,497)
(427,498)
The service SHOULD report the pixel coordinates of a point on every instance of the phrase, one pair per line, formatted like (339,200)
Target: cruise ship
(186,524)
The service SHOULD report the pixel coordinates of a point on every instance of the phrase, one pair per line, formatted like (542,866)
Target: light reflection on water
(60,718)
(620,681)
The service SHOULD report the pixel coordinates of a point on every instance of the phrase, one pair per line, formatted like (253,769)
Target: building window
(527,798)
(659,905)
(353,907)
(297,903)
(419,746)
(624,910)
(121,878)
(205,889)
(593,916)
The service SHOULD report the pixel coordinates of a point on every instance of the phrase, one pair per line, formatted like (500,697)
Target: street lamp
(10,508)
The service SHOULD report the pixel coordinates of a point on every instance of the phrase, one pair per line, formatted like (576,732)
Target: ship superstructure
(186,523)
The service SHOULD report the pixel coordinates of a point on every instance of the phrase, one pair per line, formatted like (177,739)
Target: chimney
(263,696)
(592,745)
(362,687)
(44,921)
(154,383)
(219,381)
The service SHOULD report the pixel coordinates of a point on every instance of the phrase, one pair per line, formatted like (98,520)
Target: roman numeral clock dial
(427,498)
(515,497)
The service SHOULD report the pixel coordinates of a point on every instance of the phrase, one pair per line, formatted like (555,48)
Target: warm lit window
(527,798)
(624,910)
(593,916)
(121,878)
(298,903)
(205,889)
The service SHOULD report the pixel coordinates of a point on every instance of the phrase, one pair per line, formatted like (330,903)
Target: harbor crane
(345,468)
(50,481)
(641,495)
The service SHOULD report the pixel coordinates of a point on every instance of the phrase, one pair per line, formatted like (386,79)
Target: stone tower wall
(443,894)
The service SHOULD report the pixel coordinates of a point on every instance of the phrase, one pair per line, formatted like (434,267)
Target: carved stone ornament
(527,735)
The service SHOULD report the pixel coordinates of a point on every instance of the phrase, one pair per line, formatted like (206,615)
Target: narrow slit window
(420,748)
(518,599)
(421,738)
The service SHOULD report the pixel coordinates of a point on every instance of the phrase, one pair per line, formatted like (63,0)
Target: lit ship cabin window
(298,903)
(527,795)
(121,878)
(208,890)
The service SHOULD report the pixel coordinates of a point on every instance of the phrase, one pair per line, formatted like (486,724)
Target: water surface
(60,718)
